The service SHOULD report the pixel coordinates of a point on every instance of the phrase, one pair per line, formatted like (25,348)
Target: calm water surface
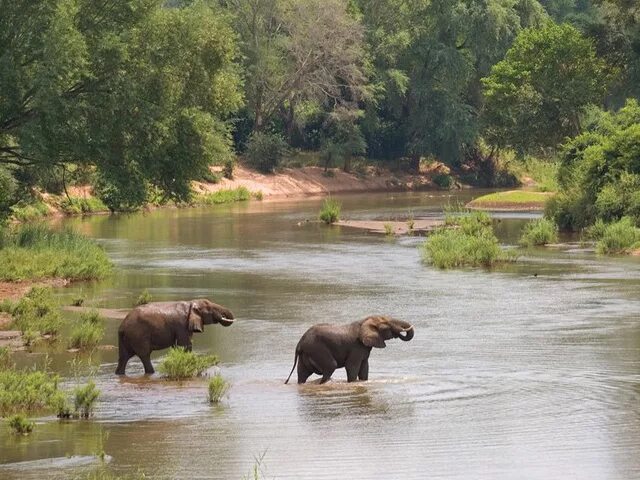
(528,372)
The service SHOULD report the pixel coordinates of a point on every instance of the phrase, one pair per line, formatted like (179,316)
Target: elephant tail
(295,360)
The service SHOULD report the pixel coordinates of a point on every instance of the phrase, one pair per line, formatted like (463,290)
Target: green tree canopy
(535,96)
(140,91)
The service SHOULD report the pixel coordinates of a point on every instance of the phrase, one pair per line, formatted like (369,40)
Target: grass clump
(37,251)
(37,312)
(240,194)
(87,331)
(615,238)
(388,230)
(82,205)
(6,362)
(539,232)
(28,392)
(20,425)
(29,211)
(218,388)
(144,298)
(180,364)
(512,200)
(330,212)
(84,400)
(464,240)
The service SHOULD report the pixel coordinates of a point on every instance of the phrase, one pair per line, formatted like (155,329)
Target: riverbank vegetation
(87,331)
(35,251)
(330,211)
(218,388)
(539,232)
(397,83)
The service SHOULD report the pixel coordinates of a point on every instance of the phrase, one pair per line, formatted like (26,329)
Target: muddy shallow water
(530,371)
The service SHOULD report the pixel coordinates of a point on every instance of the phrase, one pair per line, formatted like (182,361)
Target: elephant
(159,325)
(324,347)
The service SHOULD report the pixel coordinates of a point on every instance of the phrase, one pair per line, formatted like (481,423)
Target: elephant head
(204,312)
(376,329)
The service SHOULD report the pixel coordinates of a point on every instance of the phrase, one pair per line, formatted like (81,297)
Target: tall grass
(38,312)
(330,212)
(218,388)
(20,425)
(240,194)
(37,251)
(180,364)
(27,212)
(144,298)
(87,332)
(539,232)
(464,240)
(84,399)
(82,205)
(28,392)
(614,238)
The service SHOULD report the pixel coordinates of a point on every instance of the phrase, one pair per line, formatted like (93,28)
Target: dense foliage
(140,97)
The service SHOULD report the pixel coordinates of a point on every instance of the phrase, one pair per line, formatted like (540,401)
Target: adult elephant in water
(324,347)
(159,325)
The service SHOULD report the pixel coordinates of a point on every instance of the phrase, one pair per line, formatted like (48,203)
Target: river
(529,371)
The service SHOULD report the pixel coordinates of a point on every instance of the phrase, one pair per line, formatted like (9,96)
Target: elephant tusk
(407,329)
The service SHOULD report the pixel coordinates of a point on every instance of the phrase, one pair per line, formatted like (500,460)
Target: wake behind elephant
(324,348)
(159,325)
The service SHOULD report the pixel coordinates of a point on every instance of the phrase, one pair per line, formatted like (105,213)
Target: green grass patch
(464,241)
(37,312)
(84,400)
(20,425)
(539,232)
(87,331)
(82,205)
(29,211)
(218,388)
(240,194)
(29,392)
(330,212)
(615,238)
(543,172)
(180,364)
(511,200)
(37,251)
(144,298)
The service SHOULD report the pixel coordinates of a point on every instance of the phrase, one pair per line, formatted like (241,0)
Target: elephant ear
(194,319)
(369,334)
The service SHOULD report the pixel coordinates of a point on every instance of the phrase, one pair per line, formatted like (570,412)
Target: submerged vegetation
(466,240)
(218,388)
(36,251)
(87,331)
(180,364)
(20,425)
(539,232)
(144,298)
(29,392)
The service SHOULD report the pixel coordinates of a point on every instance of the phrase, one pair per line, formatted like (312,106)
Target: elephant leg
(184,341)
(324,363)
(123,358)
(363,374)
(146,362)
(303,371)
(354,368)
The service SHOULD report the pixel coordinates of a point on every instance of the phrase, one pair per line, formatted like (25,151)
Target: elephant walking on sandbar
(159,325)
(324,347)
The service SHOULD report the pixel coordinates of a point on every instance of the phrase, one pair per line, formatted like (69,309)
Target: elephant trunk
(407,334)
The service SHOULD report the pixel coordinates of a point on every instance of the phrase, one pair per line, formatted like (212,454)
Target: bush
(20,425)
(619,237)
(330,212)
(180,364)
(8,187)
(38,312)
(443,180)
(464,241)
(87,331)
(29,211)
(539,232)
(84,399)
(36,251)
(28,392)
(265,151)
(144,298)
(218,388)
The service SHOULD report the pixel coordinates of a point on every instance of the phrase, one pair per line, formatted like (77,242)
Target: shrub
(180,364)
(227,168)
(37,251)
(84,399)
(87,331)
(29,211)
(20,425)
(464,241)
(28,392)
(265,151)
(8,187)
(443,180)
(144,298)
(539,232)
(37,311)
(619,237)
(211,177)
(330,212)
(218,388)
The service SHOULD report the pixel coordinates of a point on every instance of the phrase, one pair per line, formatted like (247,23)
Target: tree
(535,96)
(138,90)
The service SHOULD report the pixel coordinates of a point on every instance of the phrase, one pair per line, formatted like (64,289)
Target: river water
(529,371)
